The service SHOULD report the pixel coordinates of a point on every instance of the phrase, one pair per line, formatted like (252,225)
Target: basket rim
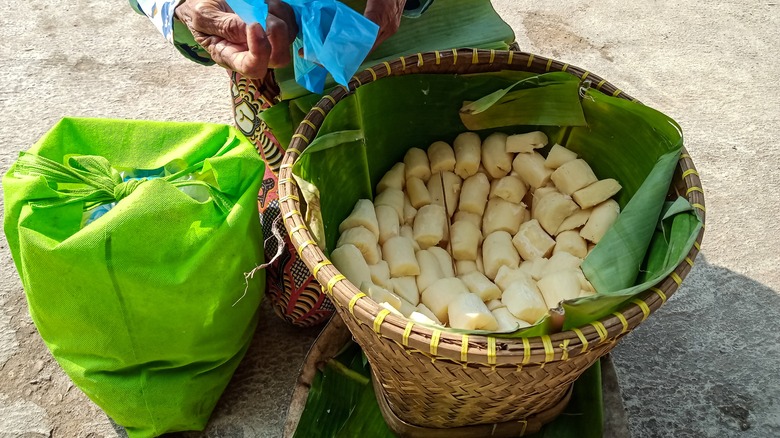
(472,349)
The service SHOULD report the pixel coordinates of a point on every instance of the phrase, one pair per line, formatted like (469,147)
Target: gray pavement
(706,365)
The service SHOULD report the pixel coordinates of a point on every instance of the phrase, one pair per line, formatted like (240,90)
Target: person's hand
(387,14)
(245,49)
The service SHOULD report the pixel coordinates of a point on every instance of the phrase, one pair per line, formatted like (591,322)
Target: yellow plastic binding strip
(320,110)
(600,329)
(699,206)
(419,60)
(491,353)
(622,321)
(373,73)
(302,137)
(530,60)
(407,332)
(297,228)
(290,214)
(689,261)
(565,66)
(660,293)
(289,197)
(690,172)
(565,349)
(454,56)
(693,189)
(332,283)
(511,58)
(285,166)
(387,66)
(292,151)
(357,79)
(285,181)
(697,246)
(584,75)
(330,98)
(549,64)
(438,57)
(474,56)
(684,156)
(676,278)
(549,351)
(435,341)
(303,245)
(583,339)
(526,351)
(492,56)
(403,63)
(380,318)
(310,124)
(464,348)
(601,84)
(319,266)
(642,305)
(354,300)
(525,426)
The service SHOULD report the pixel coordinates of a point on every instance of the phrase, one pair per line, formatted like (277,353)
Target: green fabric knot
(124,189)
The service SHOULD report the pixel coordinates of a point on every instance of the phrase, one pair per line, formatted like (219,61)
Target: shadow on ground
(705,358)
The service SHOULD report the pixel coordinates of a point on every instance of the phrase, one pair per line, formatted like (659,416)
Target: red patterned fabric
(294,293)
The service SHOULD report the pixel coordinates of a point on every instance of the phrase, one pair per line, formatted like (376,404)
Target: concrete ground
(706,365)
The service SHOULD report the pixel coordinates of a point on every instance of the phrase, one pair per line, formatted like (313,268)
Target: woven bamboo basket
(433,379)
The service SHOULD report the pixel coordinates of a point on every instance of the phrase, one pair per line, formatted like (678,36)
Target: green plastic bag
(148,309)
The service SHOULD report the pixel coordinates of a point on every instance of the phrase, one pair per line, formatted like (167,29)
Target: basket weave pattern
(435,378)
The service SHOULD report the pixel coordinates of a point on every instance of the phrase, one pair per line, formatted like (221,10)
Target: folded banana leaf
(342,404)
(369,131)
(444,25)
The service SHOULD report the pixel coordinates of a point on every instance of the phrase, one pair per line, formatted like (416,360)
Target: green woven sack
(147,308)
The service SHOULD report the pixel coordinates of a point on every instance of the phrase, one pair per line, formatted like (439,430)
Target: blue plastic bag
(335,39)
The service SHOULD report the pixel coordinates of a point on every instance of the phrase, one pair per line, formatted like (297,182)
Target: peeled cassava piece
(485,235)
(387,220)
(465,240)
(552,210)
(532,242)
(559,286)
(440,294)
(393,179)
(468,312)
(441,157)
(596,193)
(530,167)
(430,225)
(506,321)
(558,156)
(349,260)
(394,198)
(601,218)
(399,254)
(509,188)
(417,192)
(362,215)
(416,164)
(495,158)
(501,215)
(468,154)
(481,286)
(526,142)
(498,251)
(572,176)
(364,240)
(523,299)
